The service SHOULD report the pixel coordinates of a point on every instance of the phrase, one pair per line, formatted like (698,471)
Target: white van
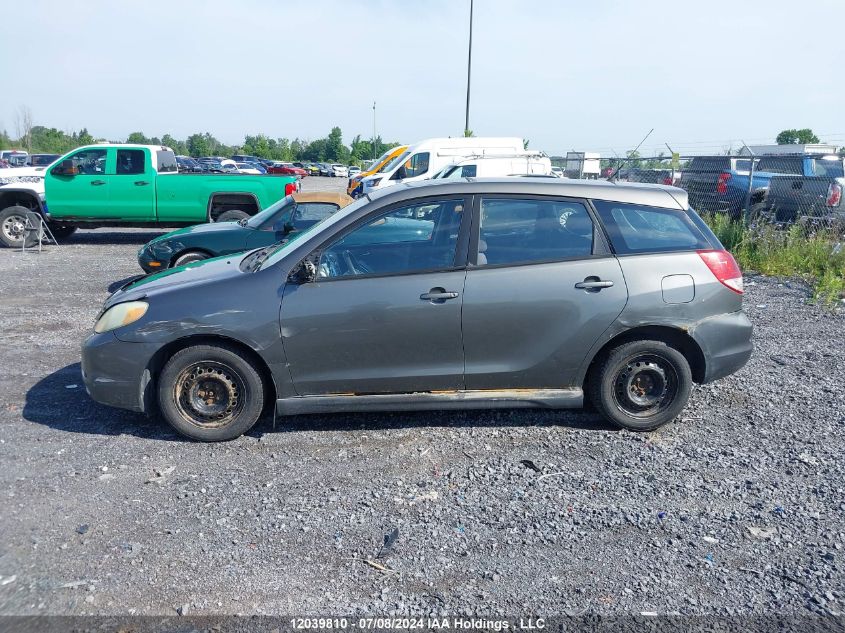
(522,164)
(428,157)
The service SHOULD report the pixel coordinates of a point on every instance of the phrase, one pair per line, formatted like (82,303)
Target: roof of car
(633,193)
(331,197)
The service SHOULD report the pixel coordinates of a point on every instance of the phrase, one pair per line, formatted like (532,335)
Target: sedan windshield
(281,249)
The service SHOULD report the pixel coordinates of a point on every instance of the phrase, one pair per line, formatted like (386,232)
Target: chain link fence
(782,188)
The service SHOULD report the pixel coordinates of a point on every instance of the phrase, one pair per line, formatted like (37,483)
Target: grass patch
(818,257)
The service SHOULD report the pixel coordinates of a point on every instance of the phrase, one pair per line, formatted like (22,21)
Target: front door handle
(97,183)
(438,295)
(141,183)
(593,284)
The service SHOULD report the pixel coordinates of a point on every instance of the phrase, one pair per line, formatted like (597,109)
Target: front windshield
(283,248)
(389,165)
(449,171)
(268,214)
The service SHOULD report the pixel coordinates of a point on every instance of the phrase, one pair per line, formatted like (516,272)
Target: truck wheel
(232,216)
(189,258)
(641,385)
(758,216)
(61,232)
(210,393)
(12,223)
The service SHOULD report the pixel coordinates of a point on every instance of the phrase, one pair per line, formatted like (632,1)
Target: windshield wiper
(256,258)
(243,221)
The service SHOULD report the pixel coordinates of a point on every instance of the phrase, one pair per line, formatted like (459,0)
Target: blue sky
(565,74)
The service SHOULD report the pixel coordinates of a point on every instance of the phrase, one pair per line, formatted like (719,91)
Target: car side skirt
(434,400)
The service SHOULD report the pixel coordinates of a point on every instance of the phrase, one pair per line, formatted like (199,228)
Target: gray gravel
(736,508)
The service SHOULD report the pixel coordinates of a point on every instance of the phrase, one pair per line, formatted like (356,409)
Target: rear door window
(525,231)
(130,161)
(641,229)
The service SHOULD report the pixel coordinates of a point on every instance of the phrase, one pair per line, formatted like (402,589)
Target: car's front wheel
(13,227)
(210,393)
(189,258)
(641,385)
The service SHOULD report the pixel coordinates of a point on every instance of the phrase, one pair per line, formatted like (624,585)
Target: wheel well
(189,250)
(673,337)
(219,203)
(22,198)
(164,354)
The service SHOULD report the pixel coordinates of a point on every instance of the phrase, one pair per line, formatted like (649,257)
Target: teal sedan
(277,222)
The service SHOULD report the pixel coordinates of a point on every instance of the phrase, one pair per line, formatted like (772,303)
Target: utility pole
(469,68)
(374,131)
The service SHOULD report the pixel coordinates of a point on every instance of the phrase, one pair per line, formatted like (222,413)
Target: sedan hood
(203,229)
(179,278)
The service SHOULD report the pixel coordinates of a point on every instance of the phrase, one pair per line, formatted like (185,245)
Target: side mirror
(65,168)
(305,273)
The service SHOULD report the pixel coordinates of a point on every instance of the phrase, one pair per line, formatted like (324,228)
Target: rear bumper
(726,343)
(115,372)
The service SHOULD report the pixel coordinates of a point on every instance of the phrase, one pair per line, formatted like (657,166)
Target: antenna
(634,151)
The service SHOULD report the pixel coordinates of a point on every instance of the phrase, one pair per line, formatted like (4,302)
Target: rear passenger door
(543,288)
(132,186)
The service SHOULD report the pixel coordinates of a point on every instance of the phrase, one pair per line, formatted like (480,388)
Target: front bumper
(726,343)
(115,372)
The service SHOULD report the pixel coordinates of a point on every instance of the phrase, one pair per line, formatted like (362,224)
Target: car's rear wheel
(641,385)
(210,393)
(13,225)
(189,258)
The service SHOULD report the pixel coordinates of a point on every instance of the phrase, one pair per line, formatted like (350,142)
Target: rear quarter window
(709,164)
(642,229)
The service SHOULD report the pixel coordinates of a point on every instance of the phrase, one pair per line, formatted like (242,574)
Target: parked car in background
(649,175)
(339,171)
(325,169)
(814,199)
(278,222)
(288,169)
(248,168)
(15,157)
(516,292)
(210,165)
(188,165)
(353,170)
(354,188)
(312,168)
(131,185)
(558,172)
(246,158)
(40,160)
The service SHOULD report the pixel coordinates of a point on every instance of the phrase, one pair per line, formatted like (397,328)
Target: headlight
(374,182)
(120,315)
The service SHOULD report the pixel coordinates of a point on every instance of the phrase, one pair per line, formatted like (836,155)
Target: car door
(132,186)
(83,190)
(384,312)
(541,288)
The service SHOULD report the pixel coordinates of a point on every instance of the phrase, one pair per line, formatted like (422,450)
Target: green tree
(800,137)
(138,137)
(84,138)
(335,149)
(198,145)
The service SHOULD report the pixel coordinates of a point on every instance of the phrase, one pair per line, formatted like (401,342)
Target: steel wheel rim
(209,394)
(645,386)
(13,227)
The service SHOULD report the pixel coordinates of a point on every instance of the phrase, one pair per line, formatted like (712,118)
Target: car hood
(181,277)
(203,230)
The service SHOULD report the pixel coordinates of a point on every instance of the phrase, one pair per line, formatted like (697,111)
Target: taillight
(834,195)
(290,188)
(724,268)
(722,184)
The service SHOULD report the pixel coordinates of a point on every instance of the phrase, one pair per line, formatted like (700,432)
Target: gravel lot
(737,508)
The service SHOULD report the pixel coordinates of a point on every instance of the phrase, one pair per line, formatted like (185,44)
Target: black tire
(12,222)
(640,385)
(189,258)
(758,216)
(61,232)
(232,216)
(220,373)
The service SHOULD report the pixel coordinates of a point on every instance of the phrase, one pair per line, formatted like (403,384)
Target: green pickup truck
(132,186)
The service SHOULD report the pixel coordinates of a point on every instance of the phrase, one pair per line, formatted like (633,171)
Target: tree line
(39,139)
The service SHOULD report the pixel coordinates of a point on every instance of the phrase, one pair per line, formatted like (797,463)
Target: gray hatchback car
(450,295)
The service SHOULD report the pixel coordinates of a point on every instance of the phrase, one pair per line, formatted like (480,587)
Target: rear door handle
(594,284)
(438,295)
(141,183)
(97,183)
